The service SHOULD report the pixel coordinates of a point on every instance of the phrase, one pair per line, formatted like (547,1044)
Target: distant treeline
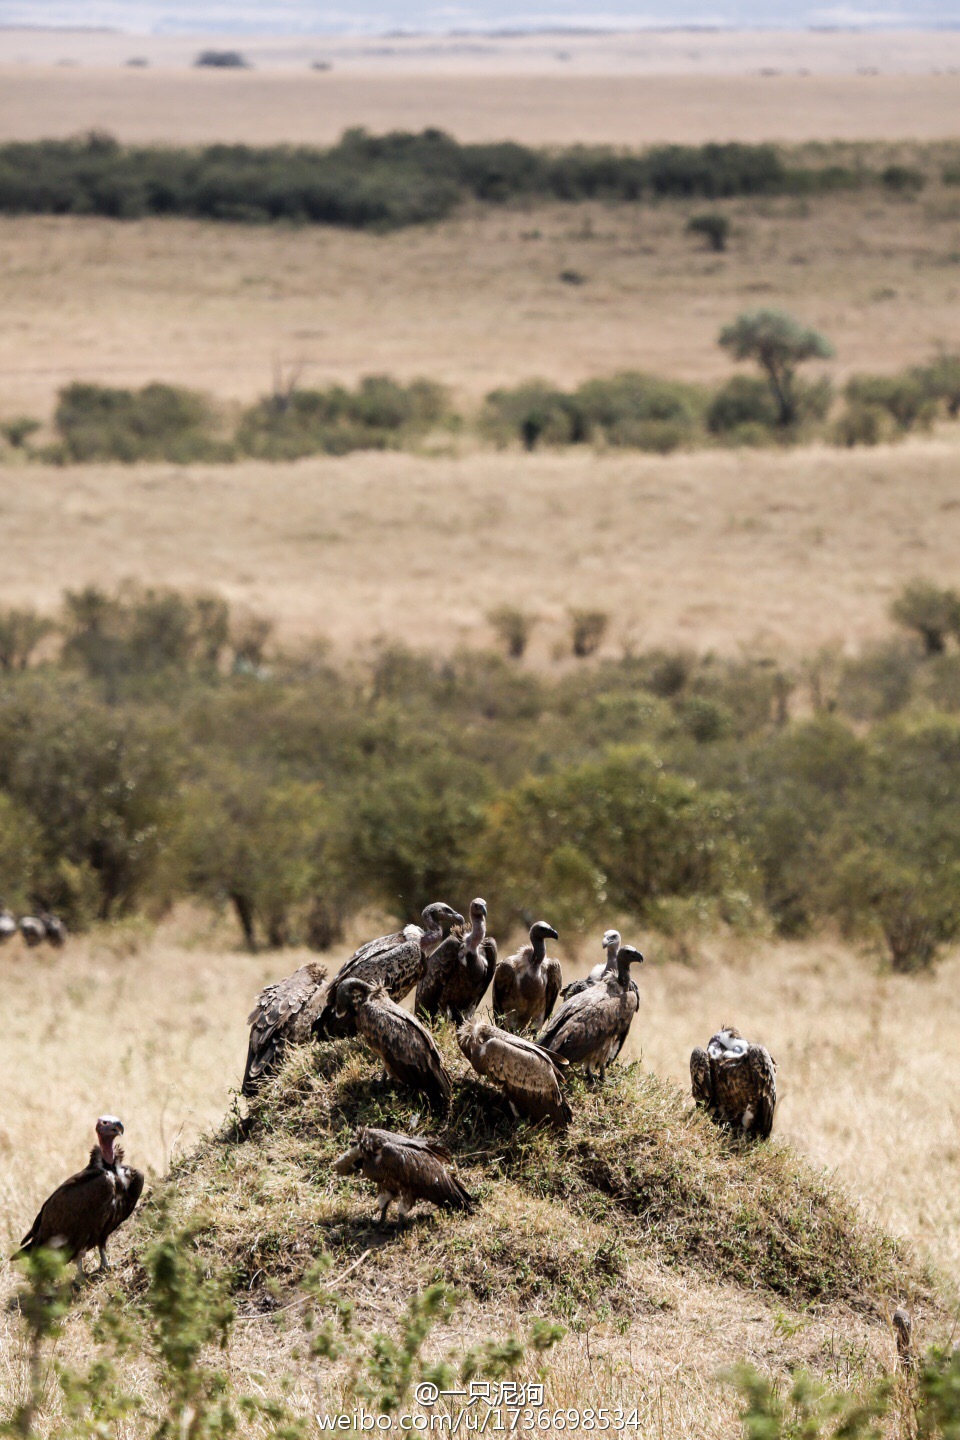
(382,182)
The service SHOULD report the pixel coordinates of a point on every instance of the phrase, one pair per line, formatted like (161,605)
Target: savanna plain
(788,556)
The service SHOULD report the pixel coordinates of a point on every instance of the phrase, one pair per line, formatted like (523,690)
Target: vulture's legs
(383,1201)
(104,1262)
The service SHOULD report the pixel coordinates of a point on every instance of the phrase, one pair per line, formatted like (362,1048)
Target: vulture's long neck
(106,1150)
(612,951)
(539,944)
(431,937)
(478,931)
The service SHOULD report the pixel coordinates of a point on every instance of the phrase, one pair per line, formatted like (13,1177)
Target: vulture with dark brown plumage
(406,1168)
(528,1075)
(394,961)
(590,1028)
(455,977)
(85,1210)
(282,1015)
(406,1047)
(526,985)
(32,930)
(736,1082)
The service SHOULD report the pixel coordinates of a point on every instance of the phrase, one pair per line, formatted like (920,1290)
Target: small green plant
(513,628)
(931,611)
(43,1300)
(587,629)
(17,431)
(714,227)
(779,344)
(21,631)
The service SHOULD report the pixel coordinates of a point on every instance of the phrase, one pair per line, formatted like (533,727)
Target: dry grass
(474,303)
(711,550)
(867,1065)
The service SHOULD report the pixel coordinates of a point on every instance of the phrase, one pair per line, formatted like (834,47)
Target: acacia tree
(778,344)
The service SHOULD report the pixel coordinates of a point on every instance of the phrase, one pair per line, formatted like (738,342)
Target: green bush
(941,381)
(534,413)
(779,344)
(640,411)
(380,414)
(714,227)
(159,422)
(742,400)
(862,424)
(931,611)
(903,179)
(904,397)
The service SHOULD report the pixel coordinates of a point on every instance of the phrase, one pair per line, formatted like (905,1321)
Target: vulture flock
(523,1051)
(35,929)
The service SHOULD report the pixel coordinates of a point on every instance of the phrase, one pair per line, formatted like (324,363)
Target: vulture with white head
(590,1028)
(85,1210)
(406,1168)
(528,1075)
(394,961)
(406,1047)
(736,1082)
(611,943)
(8,926)
(282,1015)
(32,930)
(54,930)
(455,977)
(526,985)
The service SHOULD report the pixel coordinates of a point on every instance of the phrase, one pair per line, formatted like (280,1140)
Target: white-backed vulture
(455,977)
(406,1047)
(85,1210)
(54,930)
(282,1015)
(32,930)
(736,1082)
(406,1168)
(8,926)
(589,1029)
(528,1075)
(394,961)
(526,985)
(611,944)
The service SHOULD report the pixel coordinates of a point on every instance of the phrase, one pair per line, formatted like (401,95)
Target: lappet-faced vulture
(394,961)
(283,1015)
(611,944)
(406,1047)
(526,985)
(736,1082)
(589,1029)
(85,1210)
(528,1075)
(406,1168)
(455,977)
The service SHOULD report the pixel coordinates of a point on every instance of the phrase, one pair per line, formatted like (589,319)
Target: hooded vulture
(282,1015)
(394,961)
(736,1082)
(406,1047)
(526,985)
(84,1211)
(456,975)
(405,1168)
(589,1029)
(527,1074)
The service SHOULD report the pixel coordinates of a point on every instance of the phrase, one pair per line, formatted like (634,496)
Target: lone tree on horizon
(778,343)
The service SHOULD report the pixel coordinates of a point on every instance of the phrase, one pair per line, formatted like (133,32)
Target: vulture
(54,929)
(736,1082)
(282,1015)
(32,930)
(84,1211)
(526,985)
(406,1047)
(456,975)
(611,943)
(589,1029)
(528,1075)
(394,961)
(8,926)
(407,1168)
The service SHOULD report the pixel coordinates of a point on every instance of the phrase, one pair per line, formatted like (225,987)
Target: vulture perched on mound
(282,1015)
(456,975)
(54,929)
(589,1029)
(84,1211)
(8,926)
(406,1047)
(32,930)
(394,961)
(526,985)
(527,1074)
(405,1168)
(606,968)
(736,1082)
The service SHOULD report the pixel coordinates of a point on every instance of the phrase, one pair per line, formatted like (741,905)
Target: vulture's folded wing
(276,1007)
(553,977)
(701,1078)
(764,1077)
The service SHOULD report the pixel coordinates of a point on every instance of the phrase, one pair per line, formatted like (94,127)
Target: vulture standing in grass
(528,1075)
(282,1015)
(406,1168)
(84,1211)
(54,929)
(394,961)
(736,1082)
(526,985)
(456,975)
(406,1047)
(8,926)
(32,930)
(611,944)
(589,1029)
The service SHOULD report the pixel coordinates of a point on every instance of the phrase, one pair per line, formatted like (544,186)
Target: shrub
(380,414)
(904,397)
(17,431)
(513,628)
(862,424)
(142,632)
(932,611)
(222,60)
(159,422)
(941,380)
(532,413)
(742,400)
(903,179)
(587,628)
(779,344)
(714,227)
(637,410)
(21,631)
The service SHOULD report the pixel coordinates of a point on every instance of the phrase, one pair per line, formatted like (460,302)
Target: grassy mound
(640,1176)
